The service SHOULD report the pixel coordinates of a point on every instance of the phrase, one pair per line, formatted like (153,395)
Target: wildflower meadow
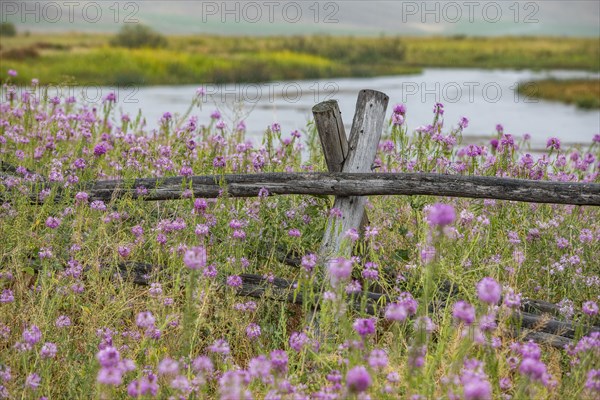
(78,320)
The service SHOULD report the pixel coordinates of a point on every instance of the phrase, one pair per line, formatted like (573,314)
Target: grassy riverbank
(86,59)
(584,93)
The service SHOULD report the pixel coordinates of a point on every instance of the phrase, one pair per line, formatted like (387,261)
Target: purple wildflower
(309,262)
(33,381)
(590,308)
(553,143)
(358,379)
(81,198)
(416,356)
(396,312)
(108,357)
(144,386)
(339,270)
(424,324)
(464,312)
(100,149)
(566,308)
(400,109)
(477,389)
(48,350)
(98,205)
(62,321)
(124,251)
(253,330)
(7,296)
(231,386)
(195,258)
(234,281)
(220,346)
(145,320)
(534,369)
(489,291)
(298,340)
(202,230)
(260,367)
(168,366)
(110,376)
(397,119)
(512,299)
(592,382)
(388,147)
(52,222)
(441,215)
(32,335)
(203,364)
(181,383)
(494,143)
(378,358)
(279,360)
(364,326)
(294,233)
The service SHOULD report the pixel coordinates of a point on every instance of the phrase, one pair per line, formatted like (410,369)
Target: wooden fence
(349,161)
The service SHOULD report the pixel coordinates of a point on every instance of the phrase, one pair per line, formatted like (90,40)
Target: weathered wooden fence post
(341,155)
(334,142)
(356,156)
(328,120)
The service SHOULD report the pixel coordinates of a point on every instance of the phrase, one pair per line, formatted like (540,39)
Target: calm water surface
(486,97)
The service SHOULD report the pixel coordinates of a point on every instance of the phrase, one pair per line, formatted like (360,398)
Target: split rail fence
(350,179)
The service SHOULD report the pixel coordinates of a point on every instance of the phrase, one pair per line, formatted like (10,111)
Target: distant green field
(584,93)
(85,59)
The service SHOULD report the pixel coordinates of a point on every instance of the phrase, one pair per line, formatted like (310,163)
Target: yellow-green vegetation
(585,93)
(504,52)
(91,59)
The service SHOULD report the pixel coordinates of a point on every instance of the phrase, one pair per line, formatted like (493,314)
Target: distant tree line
(7,29)
(136,36)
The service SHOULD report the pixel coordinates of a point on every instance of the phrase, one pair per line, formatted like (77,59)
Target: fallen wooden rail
(530,321)
(541,328)
(351,184)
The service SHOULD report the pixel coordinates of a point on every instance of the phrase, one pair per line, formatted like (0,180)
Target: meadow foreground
(73,324)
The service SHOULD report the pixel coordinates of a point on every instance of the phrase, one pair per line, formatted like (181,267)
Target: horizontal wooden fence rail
(352,184)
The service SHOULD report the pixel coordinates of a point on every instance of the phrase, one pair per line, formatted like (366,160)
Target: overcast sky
(486,18)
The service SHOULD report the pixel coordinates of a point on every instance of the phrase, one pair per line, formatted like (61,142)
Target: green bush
(136,36)
(587,102)
(7,29)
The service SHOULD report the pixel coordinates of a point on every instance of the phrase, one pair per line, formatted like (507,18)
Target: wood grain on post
(328,120)
(334,142)
(365,134)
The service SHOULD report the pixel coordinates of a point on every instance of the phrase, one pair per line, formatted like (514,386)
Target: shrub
(7,29)
(136,36)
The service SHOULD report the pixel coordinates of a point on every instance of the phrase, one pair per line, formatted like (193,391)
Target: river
(485,97)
